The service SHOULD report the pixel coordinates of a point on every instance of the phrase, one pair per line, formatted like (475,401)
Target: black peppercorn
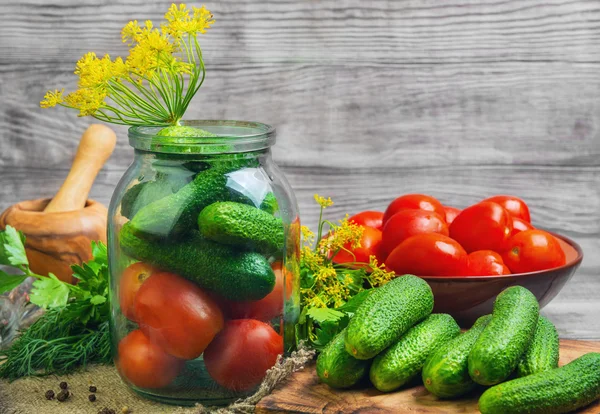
(92,397)
(64,385)
(49,395)
(93,388)
(62,396)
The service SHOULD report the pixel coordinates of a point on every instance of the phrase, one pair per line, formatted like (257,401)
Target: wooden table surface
(303,393)
(372,99)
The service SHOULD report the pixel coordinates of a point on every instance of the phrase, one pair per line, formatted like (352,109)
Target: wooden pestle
(96,145)
(59,231)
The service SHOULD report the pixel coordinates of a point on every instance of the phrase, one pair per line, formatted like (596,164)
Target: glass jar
(204,240)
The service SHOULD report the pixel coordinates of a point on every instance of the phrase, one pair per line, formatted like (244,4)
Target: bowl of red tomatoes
(469,256)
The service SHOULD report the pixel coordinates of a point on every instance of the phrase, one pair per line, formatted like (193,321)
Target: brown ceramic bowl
(467,298)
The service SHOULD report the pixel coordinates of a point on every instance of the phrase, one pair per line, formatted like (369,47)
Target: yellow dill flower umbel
(180,23)
(154,85)
(87,100)
(322,201)
(52,98)
(346,234)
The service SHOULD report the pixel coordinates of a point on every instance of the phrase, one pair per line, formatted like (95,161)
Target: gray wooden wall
(460,99)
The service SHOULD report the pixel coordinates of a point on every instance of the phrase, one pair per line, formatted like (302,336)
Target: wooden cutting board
(302,393)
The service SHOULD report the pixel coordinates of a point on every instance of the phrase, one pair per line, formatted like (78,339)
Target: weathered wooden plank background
(459,99)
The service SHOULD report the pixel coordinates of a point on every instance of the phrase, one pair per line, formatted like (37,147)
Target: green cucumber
(147,192)
(176,214)
(335,366)
(241,225)
(386,314)
(404,360)
(557,391)
(542,354)
(233,274)
(505,339)
(446,372)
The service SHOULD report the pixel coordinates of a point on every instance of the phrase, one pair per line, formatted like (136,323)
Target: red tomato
(520,225)
(268,307)
(130,283)
(241,354)
(368,219)
(451,214)
(532,250)
(414,202)
(483,226)
(514,205)
(486,263)
(407,223)
(369,246)
(144,364)
(428,254)
(177,315)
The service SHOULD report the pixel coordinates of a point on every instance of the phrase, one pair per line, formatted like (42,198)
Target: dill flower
(52,98)
(154,84)
(322,201)
(325,284)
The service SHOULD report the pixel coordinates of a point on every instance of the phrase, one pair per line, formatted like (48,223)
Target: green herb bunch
(74,330)
(331,292)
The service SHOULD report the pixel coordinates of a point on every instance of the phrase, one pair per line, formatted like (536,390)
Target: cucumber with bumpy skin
(233,274)
(557,391)
(386,314)
(337,368)
(403,361)
(542,354)
(242,225)
(505,339)
(446,373)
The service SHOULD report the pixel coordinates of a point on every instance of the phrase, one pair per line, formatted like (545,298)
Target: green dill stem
(122,111)
(320,232)
(150,95)
(124,92)
(149,118)
(120,88)
(99,114)
(158,87)
(165,81)
(192,87)
(118,113)
(163,90)
(188,97)
(121,99)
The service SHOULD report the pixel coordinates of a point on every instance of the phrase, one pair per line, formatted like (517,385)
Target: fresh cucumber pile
(393,339)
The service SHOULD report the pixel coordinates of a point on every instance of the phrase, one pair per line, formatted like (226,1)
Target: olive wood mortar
(59,231)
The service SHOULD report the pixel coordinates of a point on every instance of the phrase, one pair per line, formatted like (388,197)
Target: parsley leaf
(12,248)
(9,282)
(322,315)
(49,292)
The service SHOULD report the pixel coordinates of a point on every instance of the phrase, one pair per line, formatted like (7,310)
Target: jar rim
(232,137)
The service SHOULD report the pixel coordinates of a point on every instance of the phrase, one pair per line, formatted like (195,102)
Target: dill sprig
(331,292)
(154,84)
(73,331)
(55,344)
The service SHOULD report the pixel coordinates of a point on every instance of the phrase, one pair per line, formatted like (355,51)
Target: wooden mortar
(59,231)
